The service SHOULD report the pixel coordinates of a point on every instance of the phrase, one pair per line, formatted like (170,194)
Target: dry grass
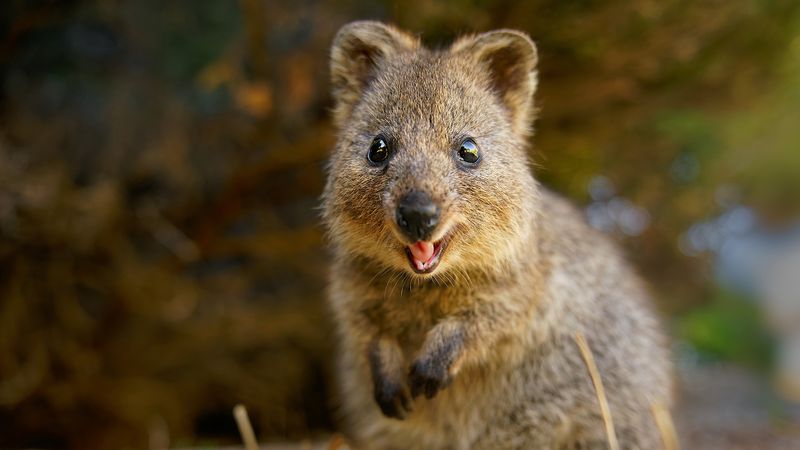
(662,416)
(586,353)
(245,428)
(336,442)
(669,437)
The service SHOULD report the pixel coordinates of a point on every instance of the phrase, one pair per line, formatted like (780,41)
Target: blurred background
(161,257)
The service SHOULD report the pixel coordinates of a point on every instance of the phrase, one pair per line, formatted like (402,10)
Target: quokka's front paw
(428,376)
(437,362)
(393,398)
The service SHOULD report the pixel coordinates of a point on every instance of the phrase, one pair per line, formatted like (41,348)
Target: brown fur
(479,353)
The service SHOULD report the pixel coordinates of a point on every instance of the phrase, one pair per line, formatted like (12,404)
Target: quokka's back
(458,283)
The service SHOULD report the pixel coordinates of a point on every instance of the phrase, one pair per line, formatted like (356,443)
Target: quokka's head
(430,173)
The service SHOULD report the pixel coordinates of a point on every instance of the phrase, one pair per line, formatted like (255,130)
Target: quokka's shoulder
(564,229)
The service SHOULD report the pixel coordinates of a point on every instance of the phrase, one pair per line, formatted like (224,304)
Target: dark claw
(393,399)
(428,377)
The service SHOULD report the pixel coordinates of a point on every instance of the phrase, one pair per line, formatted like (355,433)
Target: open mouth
(424,256)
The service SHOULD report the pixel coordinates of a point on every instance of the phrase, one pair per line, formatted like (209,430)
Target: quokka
(458,282)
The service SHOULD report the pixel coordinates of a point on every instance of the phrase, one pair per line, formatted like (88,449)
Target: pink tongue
(422,251)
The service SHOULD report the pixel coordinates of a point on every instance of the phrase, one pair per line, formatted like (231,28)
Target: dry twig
(586,353)
(665,427)
(245,428)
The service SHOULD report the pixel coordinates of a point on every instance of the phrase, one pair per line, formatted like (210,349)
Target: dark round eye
(378,151)
(468,152)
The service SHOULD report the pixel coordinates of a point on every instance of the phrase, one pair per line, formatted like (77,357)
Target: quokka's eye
(378,151)
(468,152)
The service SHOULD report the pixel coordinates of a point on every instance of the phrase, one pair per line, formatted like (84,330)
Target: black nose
(417,215)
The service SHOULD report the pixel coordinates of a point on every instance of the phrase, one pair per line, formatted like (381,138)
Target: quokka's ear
(510,57)
(358,51)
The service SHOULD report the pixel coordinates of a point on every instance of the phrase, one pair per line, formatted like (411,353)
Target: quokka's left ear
(359,51)
(510,57)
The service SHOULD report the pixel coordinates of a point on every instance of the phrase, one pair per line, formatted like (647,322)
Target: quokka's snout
(418,193)
(418,207)
(418,218)
(417,215)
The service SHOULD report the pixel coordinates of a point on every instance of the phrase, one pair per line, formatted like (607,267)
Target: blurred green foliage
(730,328)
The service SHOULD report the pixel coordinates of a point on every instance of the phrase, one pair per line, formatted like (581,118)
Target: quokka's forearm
(388,369)
(481,327)
(466,337)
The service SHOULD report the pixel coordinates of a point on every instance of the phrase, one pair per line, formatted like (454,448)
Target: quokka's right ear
(510,58)
(358,51)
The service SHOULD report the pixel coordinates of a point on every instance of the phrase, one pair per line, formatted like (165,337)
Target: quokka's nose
(417,215)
